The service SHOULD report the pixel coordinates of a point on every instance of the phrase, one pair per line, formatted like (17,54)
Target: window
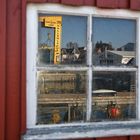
(61,94)
(114,90)
(82,71)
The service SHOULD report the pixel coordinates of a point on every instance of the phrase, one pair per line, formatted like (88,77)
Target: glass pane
(114,96)
(61,97)
(114,42)
(61,39)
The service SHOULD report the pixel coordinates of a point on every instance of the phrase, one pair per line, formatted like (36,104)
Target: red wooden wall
(13,66)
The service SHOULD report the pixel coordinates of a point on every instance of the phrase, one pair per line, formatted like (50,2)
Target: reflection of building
(114,58)
(123,57)
(73,55)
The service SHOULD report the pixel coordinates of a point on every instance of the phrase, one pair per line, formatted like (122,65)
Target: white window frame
(74,130)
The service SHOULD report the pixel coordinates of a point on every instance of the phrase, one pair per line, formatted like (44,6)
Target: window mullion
(89,41)
(89,72)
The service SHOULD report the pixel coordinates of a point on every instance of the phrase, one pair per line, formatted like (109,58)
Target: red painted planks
(44,1)
(2,67)
(90,2)
(36,1)
(85,139)
(73,2)
(13,69)
(123,4)
(135,4)
(107,3)
(23,70)
(114,4)
(134,137)
(114,138)
(53,1)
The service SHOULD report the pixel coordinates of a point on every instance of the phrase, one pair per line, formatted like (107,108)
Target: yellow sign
(56,23)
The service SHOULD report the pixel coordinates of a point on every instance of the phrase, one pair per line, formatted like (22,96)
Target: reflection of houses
(74,55)
(123,57)
(114,58)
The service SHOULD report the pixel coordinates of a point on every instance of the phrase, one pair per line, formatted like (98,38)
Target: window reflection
(61,39)
(62,94)
(61,82)
(114,96)
(61,97)
(114,42)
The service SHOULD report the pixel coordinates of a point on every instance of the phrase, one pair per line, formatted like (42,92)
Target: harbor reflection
(61,97)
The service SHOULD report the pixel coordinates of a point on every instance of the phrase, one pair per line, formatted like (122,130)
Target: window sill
(87,130)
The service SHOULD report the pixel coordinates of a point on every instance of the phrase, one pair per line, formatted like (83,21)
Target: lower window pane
(114,96)
(61,97)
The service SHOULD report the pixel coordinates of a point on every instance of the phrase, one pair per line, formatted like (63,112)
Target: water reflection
(61,97)
(114,96)
(66,83)
(60,113)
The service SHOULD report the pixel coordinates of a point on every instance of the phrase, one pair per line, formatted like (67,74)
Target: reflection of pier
(80,99)
(60,77)
(65,82)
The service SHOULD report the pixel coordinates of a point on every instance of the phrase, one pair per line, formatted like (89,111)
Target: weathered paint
(13,66)
(101,129)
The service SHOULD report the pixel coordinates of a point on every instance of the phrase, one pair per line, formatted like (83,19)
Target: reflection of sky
(73,30)
(117,31)
(43,35)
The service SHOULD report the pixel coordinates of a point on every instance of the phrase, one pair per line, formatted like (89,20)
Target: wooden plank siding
(134,137)
(13,69)
(13,61)
(114,138)
(125,4)
(23,68)
(2,67)
(135,4)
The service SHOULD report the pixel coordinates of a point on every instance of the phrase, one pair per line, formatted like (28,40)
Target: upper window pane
(114,42)
(62,39)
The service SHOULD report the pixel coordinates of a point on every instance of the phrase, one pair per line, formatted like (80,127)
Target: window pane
(61,97)
(62,39)
(114,96)
(114,42)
